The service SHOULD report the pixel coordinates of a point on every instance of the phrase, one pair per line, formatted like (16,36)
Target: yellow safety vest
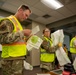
(44,56)
(15,49)
(72,48)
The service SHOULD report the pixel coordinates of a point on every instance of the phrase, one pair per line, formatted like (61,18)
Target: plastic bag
(34,42)
(57,37)
(27,66)
(62,57)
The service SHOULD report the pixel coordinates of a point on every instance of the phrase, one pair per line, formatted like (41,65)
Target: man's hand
(27,32)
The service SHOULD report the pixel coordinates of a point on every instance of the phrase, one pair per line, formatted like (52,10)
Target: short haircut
(24,7)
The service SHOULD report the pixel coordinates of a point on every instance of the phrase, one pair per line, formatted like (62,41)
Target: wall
(35,52)
(34,57)
(67,41)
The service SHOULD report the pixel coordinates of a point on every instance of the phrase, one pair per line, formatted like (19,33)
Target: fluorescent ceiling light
(54,4)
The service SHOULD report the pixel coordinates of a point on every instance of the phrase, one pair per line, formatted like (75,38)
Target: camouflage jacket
(6,33)
(47,46)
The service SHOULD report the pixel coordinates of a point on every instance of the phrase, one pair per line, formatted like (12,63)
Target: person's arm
(45,45)
(8,36)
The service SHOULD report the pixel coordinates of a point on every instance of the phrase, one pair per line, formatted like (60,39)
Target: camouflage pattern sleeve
(45,45)
(6,33)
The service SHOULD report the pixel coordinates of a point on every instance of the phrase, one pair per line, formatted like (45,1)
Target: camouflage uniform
(6,35)
(47,66)
(10,66)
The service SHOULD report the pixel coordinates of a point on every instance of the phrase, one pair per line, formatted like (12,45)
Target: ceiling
(64,17)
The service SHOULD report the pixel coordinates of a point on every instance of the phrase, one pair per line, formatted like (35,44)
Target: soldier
(12,39)
(73,48)
(47,52)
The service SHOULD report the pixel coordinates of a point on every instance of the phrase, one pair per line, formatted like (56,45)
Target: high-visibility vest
(72,47)
(15,49)
(45,56)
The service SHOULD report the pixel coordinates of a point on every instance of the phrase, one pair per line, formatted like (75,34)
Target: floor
(35,70)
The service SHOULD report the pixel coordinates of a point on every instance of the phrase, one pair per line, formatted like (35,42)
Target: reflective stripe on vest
(47,57)
(72,48)
(15,22)
(15,49)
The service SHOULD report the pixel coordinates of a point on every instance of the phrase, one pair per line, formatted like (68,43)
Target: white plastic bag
(27,66)
(62,57)
(34,42)
(35,30)
(57,37)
